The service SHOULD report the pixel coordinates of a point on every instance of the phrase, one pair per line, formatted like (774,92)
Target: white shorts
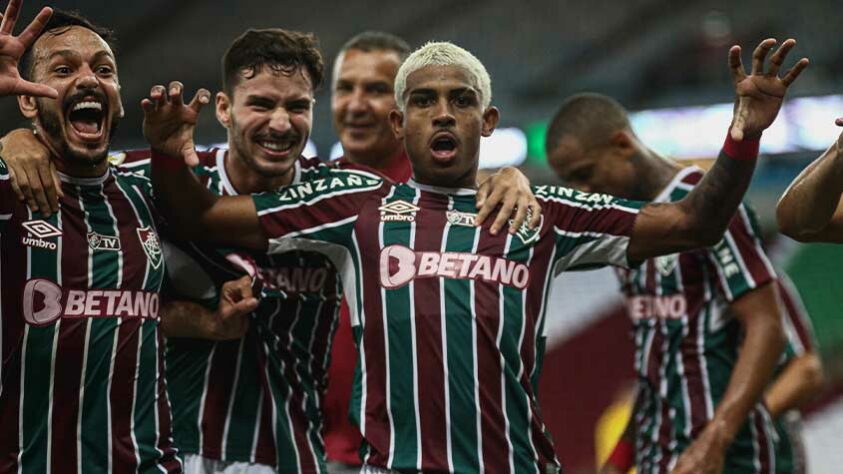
(196,464)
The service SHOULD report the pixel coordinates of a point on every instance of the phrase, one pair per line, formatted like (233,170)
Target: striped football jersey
(687,343)
(257,399)
(449,320)
(82,377)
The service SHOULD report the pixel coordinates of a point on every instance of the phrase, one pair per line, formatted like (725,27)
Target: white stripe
(686,329)
(229,412)
(736,251)
(135,393)
(701,332)
(205,389)
(288,398)
(115,339)
(306,395)
(82,395)
(385,322)
(588,207)
(411,291)
(524,294)
(444,330)
(608,249)
(299,203)
(501,323)
(255,434)
(756,240)
(56,330)
(5,217)
(478,413)
(116,229)
(139,224)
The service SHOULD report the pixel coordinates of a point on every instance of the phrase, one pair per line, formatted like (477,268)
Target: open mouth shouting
(443,147)
(87,119)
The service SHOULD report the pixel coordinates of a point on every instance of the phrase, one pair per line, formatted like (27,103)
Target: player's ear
(28,106)
(223,109)
(396,119)
(491,117)
(623,141)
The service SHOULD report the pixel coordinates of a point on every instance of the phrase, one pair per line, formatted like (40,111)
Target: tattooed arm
(700,218)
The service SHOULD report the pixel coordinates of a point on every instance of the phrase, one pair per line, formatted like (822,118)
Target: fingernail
(174,91)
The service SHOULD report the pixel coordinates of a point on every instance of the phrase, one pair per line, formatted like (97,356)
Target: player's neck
(657,174)
(380,162)
(245,180)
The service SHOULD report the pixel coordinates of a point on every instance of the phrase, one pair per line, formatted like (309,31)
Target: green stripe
(38,347)
(145,413)
(96,429)
(187,363)
(244,409)
(402,390)
(154,275)
(517,401)
(461,356)
(288,456)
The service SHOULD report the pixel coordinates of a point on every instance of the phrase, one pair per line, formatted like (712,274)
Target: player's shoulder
(574,197)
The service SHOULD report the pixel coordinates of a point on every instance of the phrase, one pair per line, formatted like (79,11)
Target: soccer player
(448,316)
(707,323)
(82,359)
(810,210)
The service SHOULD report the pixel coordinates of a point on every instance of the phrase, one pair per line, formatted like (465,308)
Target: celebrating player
(700,381)
(448,317)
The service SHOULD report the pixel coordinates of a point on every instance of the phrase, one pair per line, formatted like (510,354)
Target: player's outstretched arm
(12,49)
(700,218)
(801,380)
(759,313)
(31,171)
(810,210)
(185,318)
(192,211)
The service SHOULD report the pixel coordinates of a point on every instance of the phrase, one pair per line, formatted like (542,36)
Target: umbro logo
(41,229)
(398,211)
(38,230)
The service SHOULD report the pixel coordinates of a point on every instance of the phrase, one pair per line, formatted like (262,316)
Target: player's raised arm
(12,49)
(810,208)
(701,217)
(192,211)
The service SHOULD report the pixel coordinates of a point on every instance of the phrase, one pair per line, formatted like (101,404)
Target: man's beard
(51,125)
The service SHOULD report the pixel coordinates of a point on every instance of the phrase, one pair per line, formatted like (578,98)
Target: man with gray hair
(449,316)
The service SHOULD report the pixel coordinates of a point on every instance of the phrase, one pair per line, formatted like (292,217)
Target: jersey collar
(226,182)
(95,181)
(441,190)
(664,195)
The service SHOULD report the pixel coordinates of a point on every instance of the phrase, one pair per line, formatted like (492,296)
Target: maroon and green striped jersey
(449,320)
(256,399)
(687,343)
(82,361)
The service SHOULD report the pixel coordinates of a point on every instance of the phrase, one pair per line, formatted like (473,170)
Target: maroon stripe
(488,317)
(70,351)
(168,461)
(763,447)
(219,391)
(693,281)
(796,313)
(134,258)
(327,321)
(428,322)
(693,178)
(122,396)
(265,446)
(750,253)
(376,423)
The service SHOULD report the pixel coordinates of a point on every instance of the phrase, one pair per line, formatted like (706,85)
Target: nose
(443,116)
(357,104)
(279,122)
(87,78)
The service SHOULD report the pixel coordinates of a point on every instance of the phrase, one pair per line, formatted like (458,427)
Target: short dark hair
(378,41)
(274,47)
(589,117)
(60,22)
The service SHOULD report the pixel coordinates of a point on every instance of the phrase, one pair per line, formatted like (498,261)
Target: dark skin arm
(811,210)
(229,321)
(801,381)
(764,340)
(700,219)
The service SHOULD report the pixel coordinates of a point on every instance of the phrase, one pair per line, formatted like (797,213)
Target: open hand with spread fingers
(168,123)
(760,94)
(12,48)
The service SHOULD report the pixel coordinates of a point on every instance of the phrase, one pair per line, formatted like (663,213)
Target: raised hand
(168,122)
(13,47)
(760,94)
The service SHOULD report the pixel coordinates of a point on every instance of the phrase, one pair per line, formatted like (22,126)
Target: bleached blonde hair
(444,54)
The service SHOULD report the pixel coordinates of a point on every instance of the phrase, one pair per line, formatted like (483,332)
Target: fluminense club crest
(151,246)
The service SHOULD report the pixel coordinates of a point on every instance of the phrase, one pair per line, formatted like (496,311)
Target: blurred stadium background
(663,59)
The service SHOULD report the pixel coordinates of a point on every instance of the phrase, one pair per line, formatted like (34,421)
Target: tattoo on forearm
(715,199)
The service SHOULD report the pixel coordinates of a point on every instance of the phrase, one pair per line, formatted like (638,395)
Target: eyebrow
(71,53)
